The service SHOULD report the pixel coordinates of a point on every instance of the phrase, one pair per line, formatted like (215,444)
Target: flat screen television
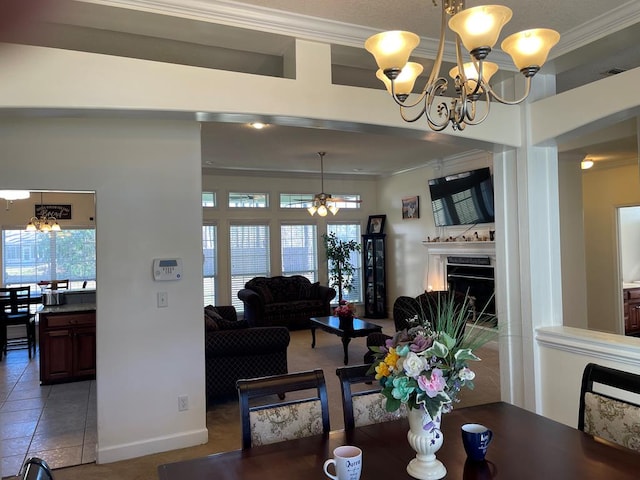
(463,198)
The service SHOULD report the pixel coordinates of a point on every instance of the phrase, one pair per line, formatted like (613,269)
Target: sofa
(285,301)
(234,350)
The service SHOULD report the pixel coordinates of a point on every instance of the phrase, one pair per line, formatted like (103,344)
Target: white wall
(147,179)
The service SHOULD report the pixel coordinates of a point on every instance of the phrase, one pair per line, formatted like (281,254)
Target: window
(209,199)
(249,251)
(31,257)
(346,232)
(299,252)
(248,200)
(305,200)
(210,265)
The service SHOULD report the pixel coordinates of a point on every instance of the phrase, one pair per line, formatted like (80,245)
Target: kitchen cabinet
(67,345)
(632,311)
(375,275)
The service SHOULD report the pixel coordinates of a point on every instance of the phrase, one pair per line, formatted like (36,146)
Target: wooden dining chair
(16,310)
(279,419)
(362,402)
(60,284)
(610,405)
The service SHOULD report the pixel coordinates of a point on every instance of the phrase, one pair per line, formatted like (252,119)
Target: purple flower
(421,343)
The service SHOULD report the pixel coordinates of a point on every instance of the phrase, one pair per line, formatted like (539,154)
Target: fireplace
(473,275)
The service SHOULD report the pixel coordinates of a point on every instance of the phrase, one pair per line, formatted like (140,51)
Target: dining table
(525,446)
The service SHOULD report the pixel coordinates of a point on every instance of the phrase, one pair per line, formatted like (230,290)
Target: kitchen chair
(306,414)
(363,404)
(16,310)
(612,409)
(55,284)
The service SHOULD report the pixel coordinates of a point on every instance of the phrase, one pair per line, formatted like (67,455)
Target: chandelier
(322,202)
(476,28)
(43,223)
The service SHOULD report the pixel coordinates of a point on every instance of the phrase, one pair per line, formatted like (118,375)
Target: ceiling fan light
(333,209)
(14,194)
(312,210)
(480,27)
(322,211)
(530,48)
(392,49)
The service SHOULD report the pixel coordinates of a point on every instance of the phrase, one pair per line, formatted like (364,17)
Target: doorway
(629,267)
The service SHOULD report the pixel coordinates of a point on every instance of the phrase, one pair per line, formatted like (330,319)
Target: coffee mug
(476,439)
(347,461)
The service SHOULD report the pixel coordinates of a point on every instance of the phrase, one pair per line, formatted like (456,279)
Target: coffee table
(346,330)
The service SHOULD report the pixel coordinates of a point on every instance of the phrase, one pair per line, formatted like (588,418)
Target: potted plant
(340,268)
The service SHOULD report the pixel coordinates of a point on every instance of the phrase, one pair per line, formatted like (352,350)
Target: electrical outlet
(183,403)
(163,299)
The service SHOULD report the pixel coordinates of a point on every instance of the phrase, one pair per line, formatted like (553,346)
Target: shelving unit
(375,275)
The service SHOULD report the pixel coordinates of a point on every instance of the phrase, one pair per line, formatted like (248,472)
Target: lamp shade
(471,73)
(530,48)
(322,211)
(392,49)
(405,81)
(480,26)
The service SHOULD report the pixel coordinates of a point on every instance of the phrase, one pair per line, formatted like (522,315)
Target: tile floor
(57,423)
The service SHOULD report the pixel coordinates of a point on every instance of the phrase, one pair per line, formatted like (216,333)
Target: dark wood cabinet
(375,275)
(67,346)
(632,311)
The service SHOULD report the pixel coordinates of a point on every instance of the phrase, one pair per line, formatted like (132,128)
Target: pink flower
(432,386)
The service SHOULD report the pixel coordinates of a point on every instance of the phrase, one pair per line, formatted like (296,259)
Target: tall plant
(340,268)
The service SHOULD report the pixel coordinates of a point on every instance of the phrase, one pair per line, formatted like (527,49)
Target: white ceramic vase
(425,466)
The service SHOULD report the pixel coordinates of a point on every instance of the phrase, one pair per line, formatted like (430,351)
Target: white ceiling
(251,36)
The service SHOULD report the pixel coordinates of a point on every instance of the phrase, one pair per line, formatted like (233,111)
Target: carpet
(223,419)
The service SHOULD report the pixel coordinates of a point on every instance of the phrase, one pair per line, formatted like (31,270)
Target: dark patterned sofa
(233,350)
(286,301)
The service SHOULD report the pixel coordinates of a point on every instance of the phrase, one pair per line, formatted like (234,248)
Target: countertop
(69,307)
(626,285)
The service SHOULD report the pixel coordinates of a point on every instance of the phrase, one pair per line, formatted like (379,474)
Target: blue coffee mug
(476,439)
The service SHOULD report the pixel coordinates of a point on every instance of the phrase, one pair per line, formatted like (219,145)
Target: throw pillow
(210,324)
(265,293)
(314,291)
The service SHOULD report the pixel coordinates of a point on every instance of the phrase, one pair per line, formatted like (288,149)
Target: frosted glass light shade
(312,210)
(322,211)
(470,71)
(14,194)
(480,26)
(392,49)
(333,209)
(530,48)
(405,81)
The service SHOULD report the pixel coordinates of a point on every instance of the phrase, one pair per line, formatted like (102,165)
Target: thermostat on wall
(167,269)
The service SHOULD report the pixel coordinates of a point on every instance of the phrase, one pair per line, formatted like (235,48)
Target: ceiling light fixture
(14,194)
(258,125)
(43,223)
(322,202)
(476,28)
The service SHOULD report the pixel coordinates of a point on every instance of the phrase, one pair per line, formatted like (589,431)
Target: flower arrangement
(427,365)
(345,309)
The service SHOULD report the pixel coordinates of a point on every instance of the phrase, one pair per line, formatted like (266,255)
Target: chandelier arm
(473,120)
(403,104)
(498,98)
(442,108)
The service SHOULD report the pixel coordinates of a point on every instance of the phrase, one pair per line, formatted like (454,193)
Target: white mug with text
(347,461)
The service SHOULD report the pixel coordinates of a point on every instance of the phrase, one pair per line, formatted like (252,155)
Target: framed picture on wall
(411,207)
(376,223)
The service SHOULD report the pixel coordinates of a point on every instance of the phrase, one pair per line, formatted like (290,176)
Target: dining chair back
(16,310)
(610,405)
(267,417)
(362,402)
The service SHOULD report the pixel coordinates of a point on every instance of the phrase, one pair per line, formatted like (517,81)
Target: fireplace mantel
(461,248)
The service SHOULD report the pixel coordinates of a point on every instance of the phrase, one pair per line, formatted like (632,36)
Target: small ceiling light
(477,30)
(258,125)
(586,164)
(14,194)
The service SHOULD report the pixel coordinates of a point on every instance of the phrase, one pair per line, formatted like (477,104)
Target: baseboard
(150,446)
